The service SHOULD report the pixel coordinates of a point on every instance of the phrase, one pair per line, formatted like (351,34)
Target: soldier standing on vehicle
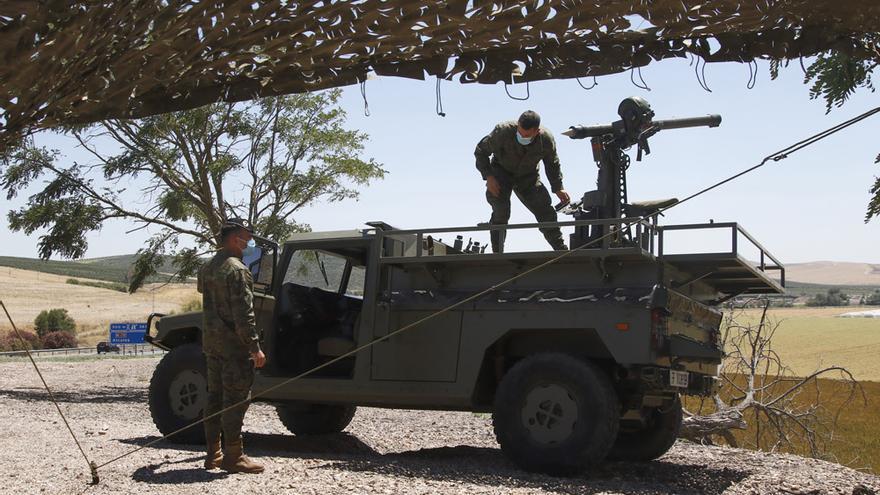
(508,160)
(231,346)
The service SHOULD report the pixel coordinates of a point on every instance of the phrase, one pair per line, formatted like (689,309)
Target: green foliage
(60,208)
(54,320)
(99,285)
(835,76)
(796,289)
(59,340)
(834,297)
(110,269)
(873,299)
(287,152)
(874,204)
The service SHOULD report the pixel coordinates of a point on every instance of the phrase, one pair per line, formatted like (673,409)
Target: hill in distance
(110,268)
(806,278)
(834,273)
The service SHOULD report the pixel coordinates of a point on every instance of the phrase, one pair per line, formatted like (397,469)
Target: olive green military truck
(581,360)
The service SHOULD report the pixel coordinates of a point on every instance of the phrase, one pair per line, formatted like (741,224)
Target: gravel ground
(382,451)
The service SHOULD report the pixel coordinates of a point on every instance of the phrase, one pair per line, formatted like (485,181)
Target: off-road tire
(652,441)
(315,419)
(586,414)
(185,369)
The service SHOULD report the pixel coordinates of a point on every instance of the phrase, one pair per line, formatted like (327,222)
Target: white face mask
(523,140)
(249,247)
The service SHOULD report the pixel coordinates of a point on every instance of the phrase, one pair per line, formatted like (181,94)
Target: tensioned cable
(777,156)
(92,467)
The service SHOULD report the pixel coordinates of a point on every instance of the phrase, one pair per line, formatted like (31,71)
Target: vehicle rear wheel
(651,440)
(555,414)
(315,419)
(178,392)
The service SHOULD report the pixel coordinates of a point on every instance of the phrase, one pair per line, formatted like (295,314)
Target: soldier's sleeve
(552,167)
(241,302)
(483,153)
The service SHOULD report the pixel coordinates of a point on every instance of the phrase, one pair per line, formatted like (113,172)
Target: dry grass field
(812,338)
(856,437)
(26,293)
(808,339)
(834,273)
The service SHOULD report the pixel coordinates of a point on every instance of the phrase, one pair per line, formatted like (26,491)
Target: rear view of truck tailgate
(692,329)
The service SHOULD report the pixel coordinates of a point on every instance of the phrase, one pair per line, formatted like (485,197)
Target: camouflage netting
(73,62)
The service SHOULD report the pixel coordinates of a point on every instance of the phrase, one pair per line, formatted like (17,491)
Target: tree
(835,76)
(873,298)
(761,394)
(54,320)
(261,161)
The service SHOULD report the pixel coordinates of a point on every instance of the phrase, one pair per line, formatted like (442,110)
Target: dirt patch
(381,452)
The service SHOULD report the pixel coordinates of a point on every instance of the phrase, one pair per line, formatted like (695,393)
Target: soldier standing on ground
(231,346)
(508,160)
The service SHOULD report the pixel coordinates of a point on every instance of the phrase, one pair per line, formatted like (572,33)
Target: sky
(808,207)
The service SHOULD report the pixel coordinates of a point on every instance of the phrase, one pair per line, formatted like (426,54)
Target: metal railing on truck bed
(730,270)
(415,245)
(727,269)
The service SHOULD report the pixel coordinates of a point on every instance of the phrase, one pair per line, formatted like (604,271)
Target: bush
(194,304)
(54,320)
(873,298)
(31,338)
(59,340)
(834,297)
(10,343)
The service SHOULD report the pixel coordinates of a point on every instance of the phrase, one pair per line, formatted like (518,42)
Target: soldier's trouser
(229,382)
(537,200)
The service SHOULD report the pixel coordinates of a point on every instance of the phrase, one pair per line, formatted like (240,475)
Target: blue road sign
(127,333)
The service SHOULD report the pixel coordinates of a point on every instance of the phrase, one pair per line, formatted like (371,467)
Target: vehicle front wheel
(653,438)
(555,414)
(315,419)
(178,392)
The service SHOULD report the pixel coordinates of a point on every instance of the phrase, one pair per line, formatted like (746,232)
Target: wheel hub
(188,394)
(550,414)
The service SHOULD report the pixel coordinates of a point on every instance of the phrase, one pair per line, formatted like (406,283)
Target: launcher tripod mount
(609,144)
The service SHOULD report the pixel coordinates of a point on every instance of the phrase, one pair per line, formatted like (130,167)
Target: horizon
(807,208)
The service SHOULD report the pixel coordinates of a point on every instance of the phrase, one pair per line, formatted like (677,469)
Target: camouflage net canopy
(74,62)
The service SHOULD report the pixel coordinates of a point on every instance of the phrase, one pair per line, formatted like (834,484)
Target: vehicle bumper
(656,379)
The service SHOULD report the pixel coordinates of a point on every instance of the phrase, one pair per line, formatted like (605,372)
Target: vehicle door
(262,263)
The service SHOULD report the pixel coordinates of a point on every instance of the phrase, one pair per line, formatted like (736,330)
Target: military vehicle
(578,361)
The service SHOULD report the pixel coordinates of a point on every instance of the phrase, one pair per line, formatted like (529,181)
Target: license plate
(678,378)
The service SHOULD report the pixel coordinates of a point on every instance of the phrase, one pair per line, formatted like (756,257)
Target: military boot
(497,238)
(234,460)
(215,454)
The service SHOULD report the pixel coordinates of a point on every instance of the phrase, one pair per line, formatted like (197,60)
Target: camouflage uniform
(516,168)
(229,336)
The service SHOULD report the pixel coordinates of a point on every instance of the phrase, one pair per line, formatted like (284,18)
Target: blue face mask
(523,140)
(250,249)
